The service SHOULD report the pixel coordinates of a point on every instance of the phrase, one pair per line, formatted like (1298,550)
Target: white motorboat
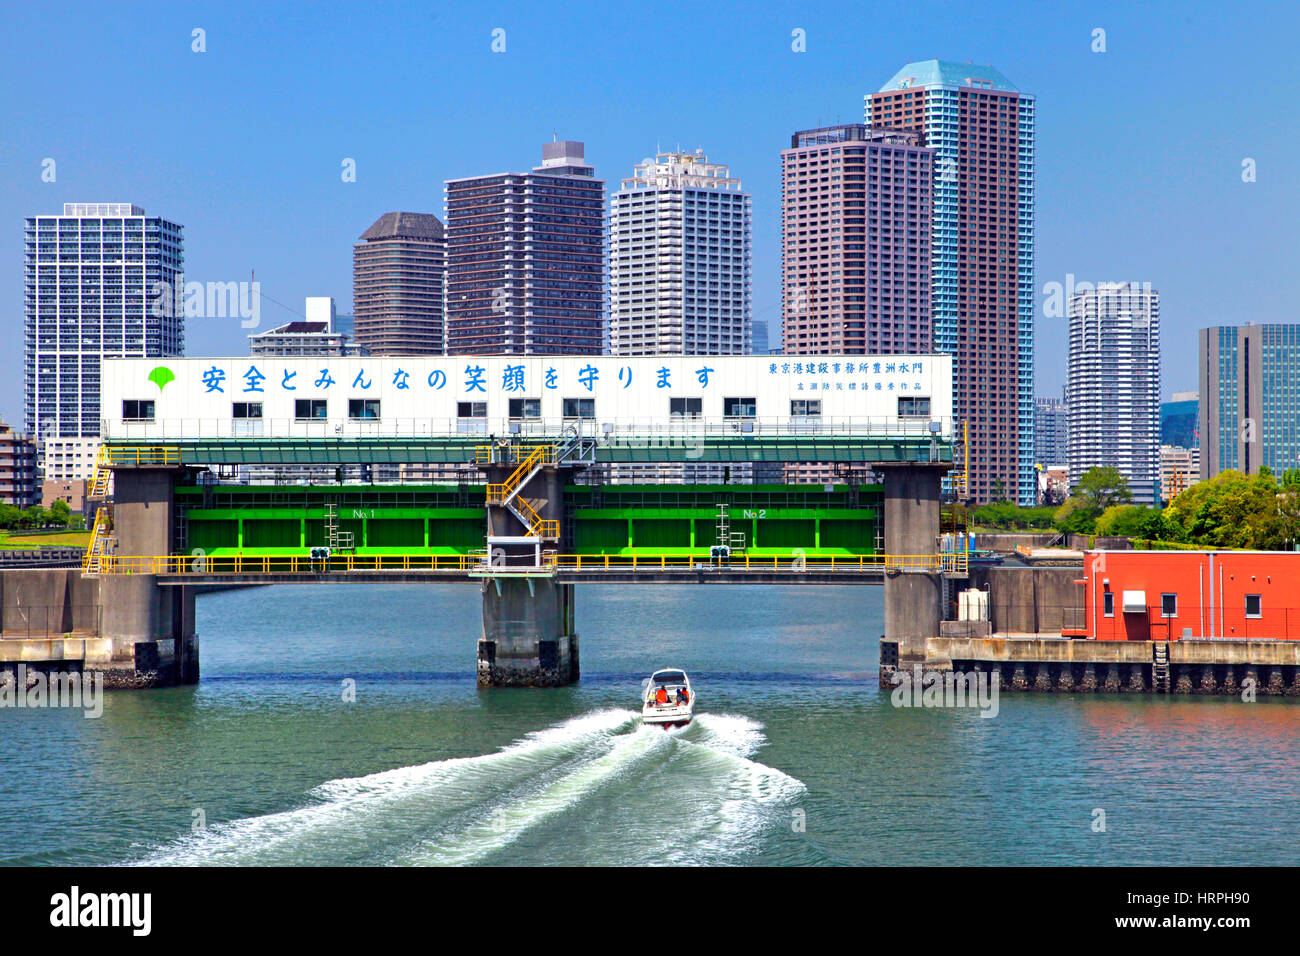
(667,699)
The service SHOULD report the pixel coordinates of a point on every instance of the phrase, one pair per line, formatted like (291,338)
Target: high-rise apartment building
(526,259)
(102,280)
(1113,385)
(18,485)
(399,268)
(679,254)
(1250,398)
(1051,425)
(982,261)
(855,234)
(679,260)
(855,248)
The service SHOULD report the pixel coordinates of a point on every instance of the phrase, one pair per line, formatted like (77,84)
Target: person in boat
(682,696)
(661,695)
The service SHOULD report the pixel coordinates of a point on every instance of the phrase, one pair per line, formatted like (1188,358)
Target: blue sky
(1140,148)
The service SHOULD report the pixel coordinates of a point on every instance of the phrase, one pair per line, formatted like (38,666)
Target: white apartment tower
(1112,388)
(93,280)
(680,260)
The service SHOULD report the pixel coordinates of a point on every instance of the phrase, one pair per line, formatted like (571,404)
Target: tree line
(1231,510)
(35,518)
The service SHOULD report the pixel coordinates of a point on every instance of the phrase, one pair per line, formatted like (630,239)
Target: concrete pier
(528,635)
(913,599)
(528,638)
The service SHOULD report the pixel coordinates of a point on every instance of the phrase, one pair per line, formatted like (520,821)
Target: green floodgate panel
(600,519)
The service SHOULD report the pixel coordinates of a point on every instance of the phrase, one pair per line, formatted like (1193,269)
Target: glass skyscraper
(1249,413)
(981,128)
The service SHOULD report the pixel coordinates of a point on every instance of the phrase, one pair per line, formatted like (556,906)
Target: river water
(795,756)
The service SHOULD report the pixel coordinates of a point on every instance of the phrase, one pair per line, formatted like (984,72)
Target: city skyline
(1088,224)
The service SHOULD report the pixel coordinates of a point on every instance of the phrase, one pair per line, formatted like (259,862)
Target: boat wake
(598,788)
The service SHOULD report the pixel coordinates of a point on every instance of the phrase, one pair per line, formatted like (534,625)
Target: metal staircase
(102,541)
(507,492)
(102,477)
(571,450)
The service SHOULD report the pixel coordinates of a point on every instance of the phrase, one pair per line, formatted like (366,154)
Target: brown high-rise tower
(855,235)
(399,267)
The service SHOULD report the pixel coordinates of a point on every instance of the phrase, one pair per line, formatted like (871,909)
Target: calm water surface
(265,763)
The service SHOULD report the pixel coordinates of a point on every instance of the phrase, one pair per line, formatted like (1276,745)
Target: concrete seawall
(134,632)
(1022,643)
(1056,665)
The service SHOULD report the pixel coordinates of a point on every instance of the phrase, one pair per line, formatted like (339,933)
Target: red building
(1170,595)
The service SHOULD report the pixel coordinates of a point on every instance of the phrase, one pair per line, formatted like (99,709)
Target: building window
(685,407)
(1254,605)
(913,406)
(306,408)
(471,417)
(1169,605)
(525,408)
(246,410)
(804,407)
(134,410)
(739,407)
(1108,604)
(364,408)
(580,408)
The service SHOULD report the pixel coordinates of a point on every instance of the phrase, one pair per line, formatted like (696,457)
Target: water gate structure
(531,508)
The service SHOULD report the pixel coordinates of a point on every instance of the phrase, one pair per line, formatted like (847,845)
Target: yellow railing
(139,455)
(302,564)
(486,454)
(175,564)
(953,563)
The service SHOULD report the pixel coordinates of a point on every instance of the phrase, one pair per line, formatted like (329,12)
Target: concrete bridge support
(913,599)
(150,628)
(528,635)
